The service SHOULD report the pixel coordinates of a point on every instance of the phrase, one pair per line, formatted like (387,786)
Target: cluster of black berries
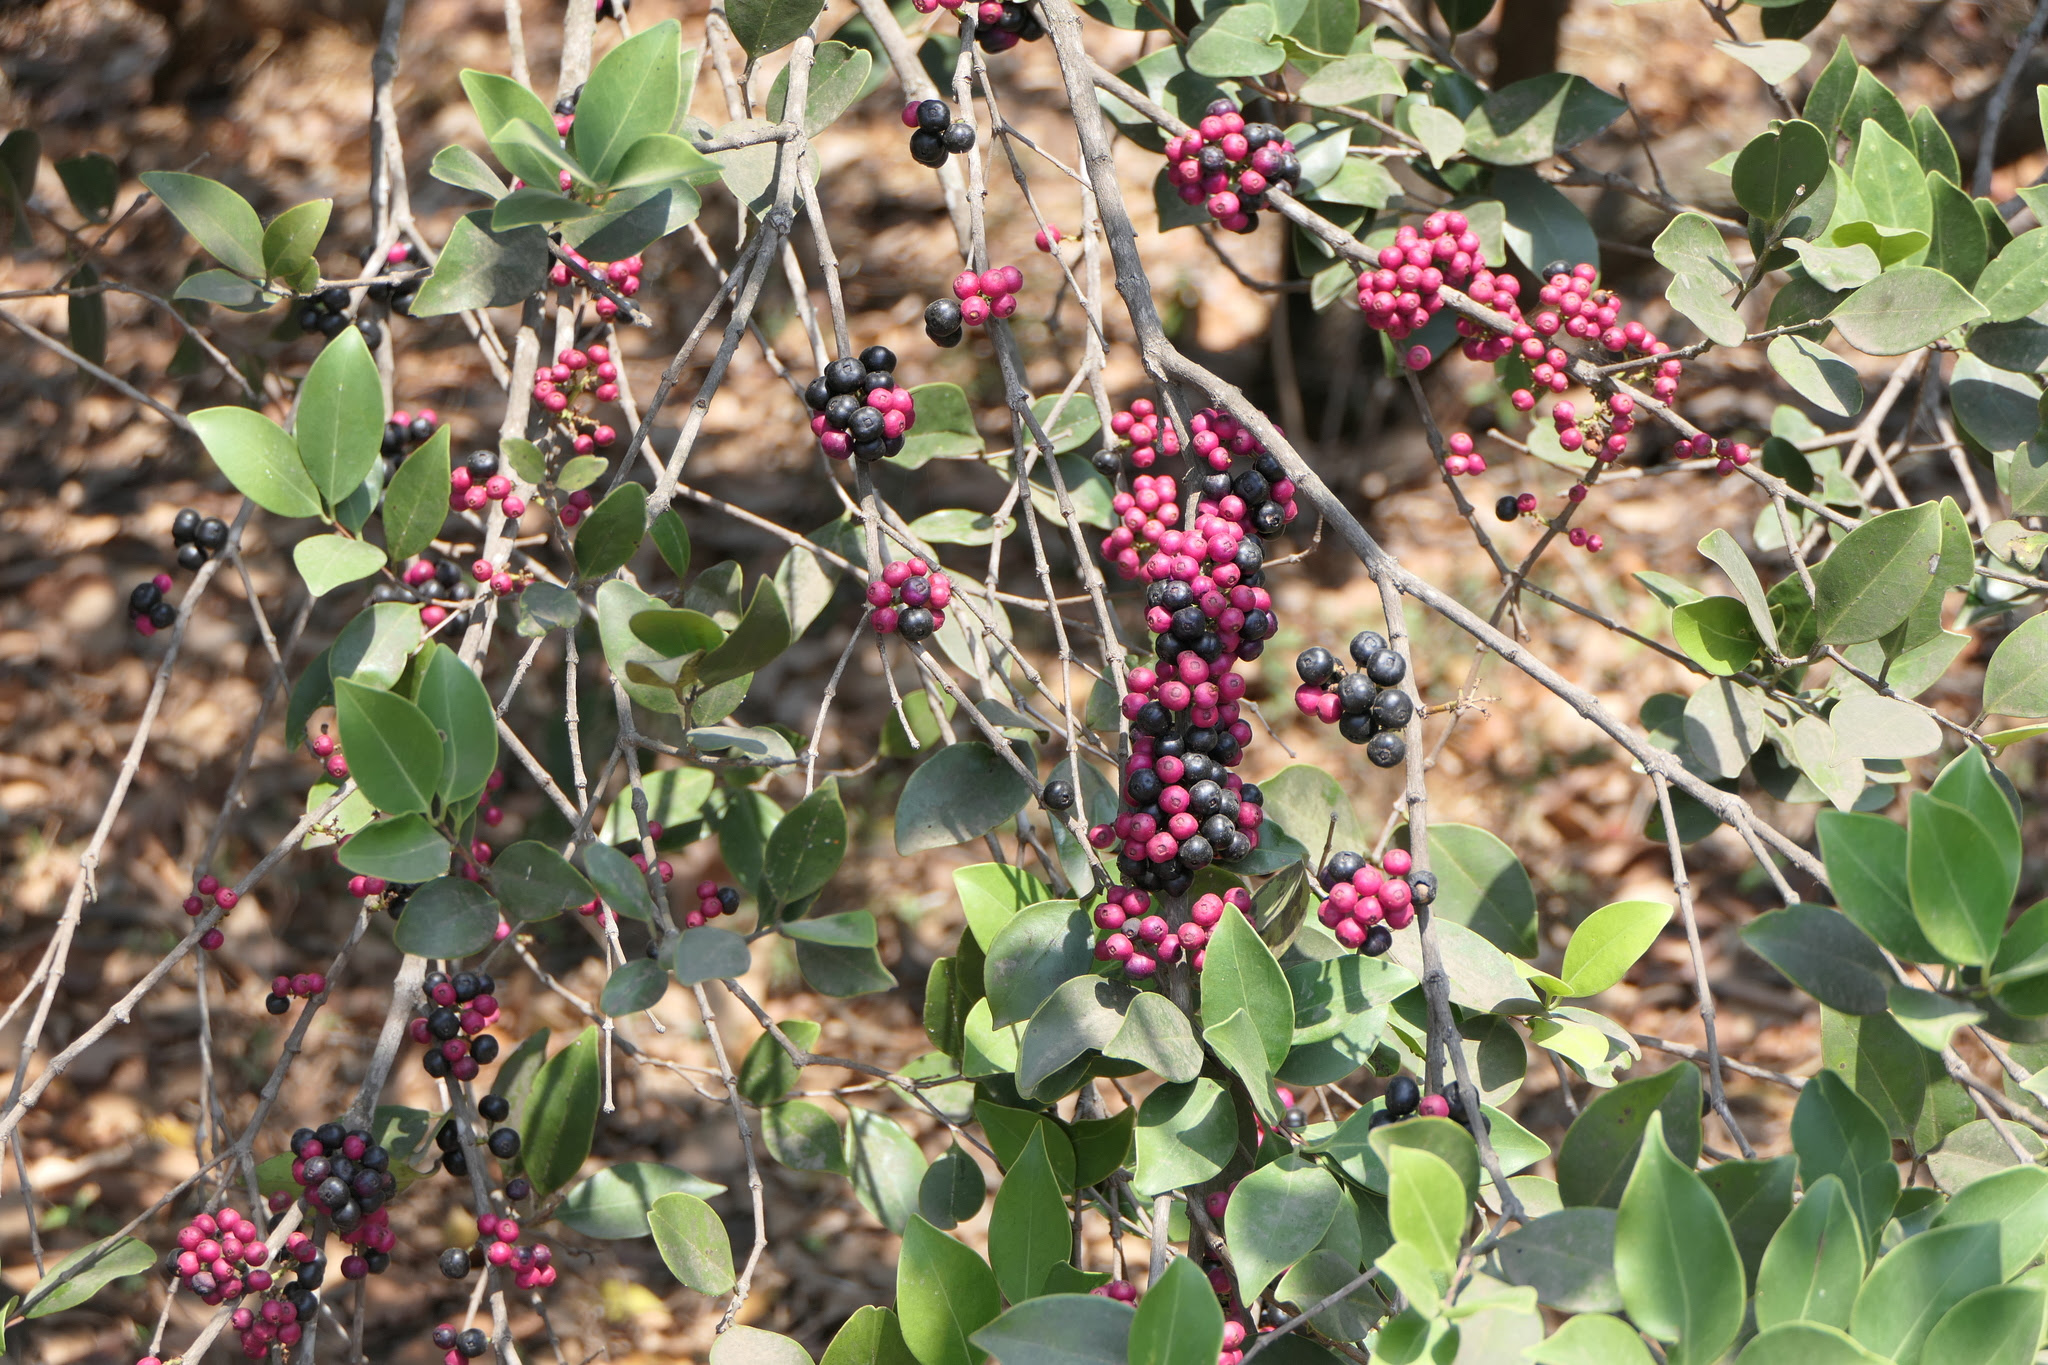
(405,432)
(857,408)
(470,1342)
(1405,1100)
(454,1037)
(305,985)
(398,296)
(1366,704)
(148,610)
(325,312)
(348,1177)
(197,538)
(933,134)
(1002,24)
(1227,165)
(1363,904)
(503,1143)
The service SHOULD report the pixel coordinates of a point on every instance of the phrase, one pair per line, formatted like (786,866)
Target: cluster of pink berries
(209,891)
(1148,434)
(575,373)
(458,1010)
(624,276)
(305,985)
(1227,165)
(575,507)
(1362,904)
(1728,455)
(977,297)
(221,1256)
(502,580)
(1574,306)
(1146,514)
(1002,24)
(328,750)
(1140,942)
(713,900)
(1463,457)
(909,599)
(1402,295)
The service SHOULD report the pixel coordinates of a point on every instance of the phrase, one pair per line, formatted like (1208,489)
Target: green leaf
(1279,1213)
(803,1137)
(1425,1205)
(499,100)
(1817,375)
(1353,80)
(107,1260)
(1814,1264)
(708,954)
(839,75)
(1608,942)
(662,160)
(398,848)
(1674,1257)
(807,846)
(944,1295)
(1083,1014)
(218,219)
(1029,1231)
(1880,1062)
(885,1165)
(1807,1343)
(454,699)
(1780,168)
(1441,133)
(1248,979)
(1600,1148)
(1060,1329)
(762,634)
(1998,1326)
(1035,953)
(533,881)
(1722,549)
(484,268)
(991,893)
(1866,865)
(1961,890)
(1186,1134)
(416,500)
(1236,40)
(767,1073)
(448,917)
(612,532)
(528,206)
(1911,1288)
(676,633)
(751,1346)
(635,986)
(327,562)
(581,472)
(260,460)
(1481,885)
(633,93)
(1541,224)
(1755,1196)
(2016,1202)
(622,885)
(1836,1132)
(1591,1339)
(671,540)
(561,1115)
(1776,60)
(1930,1018)
(1875,576)
(1567,1257)
(373,648)
(1717,633)
(2016,679)
(1999,409)
(1904,309)
(464,169)
(1889,182)
(945,427)
(870,1337)
(693,1242)
(1539,117)
(1157,1036)
(1069,423)
(91,181)
(1825,954)
(291,239)
(616,1202)
(953,1189)
(962,526)
(762,26)
(225,289)
(960,793)
(1179,1321)
(1960,246)
(2015,283)
(394,752)
(1723,724)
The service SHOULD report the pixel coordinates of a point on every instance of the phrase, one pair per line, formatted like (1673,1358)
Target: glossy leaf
(1910,1289)
(1866,866)
(1599,1149)
(807,846)
(106,1260)
(945,1293)
(218,218)
(561,1114)
(1591,1339)
(959,793)
(416,499)
(1608,942)
(2015,283)
(761,635)
(2016,1201)
(1779,168)
(401,848)
(1029,1229)
(708,954)
(1425,1205)
(394,752)
(1813,1266)
(533,881)
(1567,1257)
(1807,1343)
(633,93)
(1836,1132)
(1179,1321)
(953,1189)
(259,459)
(1186,1134)
(1060,1329)
(1961,892)
(622,885)
(483,268)
(1277,1215)
(762,26)
(1236,40)
(2016,679)
(1248,979)
(1084,1014)
(2000,1325)
(1674,1258)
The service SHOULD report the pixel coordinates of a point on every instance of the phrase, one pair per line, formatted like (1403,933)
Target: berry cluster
(326,312)
(1228,164)
(430,582)
(220,1256)
(1401,296)
(406,431)
(209,891)
(624,276)
(1404,1100)
(976,298)
(1139,941)
(470,1342)
(454,1038)
(858,409)
(1002,24)
(197,538)
(1146,432)
(909,599)
(1728,455)
(1366,704)
(1603,431)
(397,296)
(1252,503)
(502,1143)
(305,986)
(575,507)
(348,1177)
(1363,905)
(557,387)
(1145,515)
(148,610)
(713,900)
(933,134)
(1573,305)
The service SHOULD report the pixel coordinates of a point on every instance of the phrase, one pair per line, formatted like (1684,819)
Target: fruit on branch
(935,134)
(148,611)
(977,297)
(622,276)
(1402,294)
(1364,904)
(1148,435)
(1462,455)
(713,900)
(305,985)
(1227,165)
(459,1009)
(909,600)
(1002,24)
(325,312)
(858,410)
(1140,941)
(1047,237)
(1058,795)
(1366,704)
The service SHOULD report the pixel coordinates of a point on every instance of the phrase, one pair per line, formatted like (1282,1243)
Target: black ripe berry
(191,558)
(484,1047)
(934,115)
(277,1004)
(1340,868)
(1378,939)
(1505,507)
(473,1342)
(212,535)
(1355,729)
(1315,665)
(504,1143)
(817,393)
(1423,885)
(915,624)
(444,1024)
(1386,750)
(184,526)
(520,1188)
(445,1337)
(494,1108)
(146,595)
(1393,709)
(163,616)
(942,315)
(958,139)
(1386,667)
(878,358)
(1365,644)
(1059,794)
(435,1065)
(1403,1094)
(927,148)
(1356,694)
(844,375)
(455,1263)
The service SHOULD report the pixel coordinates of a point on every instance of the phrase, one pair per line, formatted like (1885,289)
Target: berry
(494,1108)
(1506,507)
(1058,795)
(504,1144)
(455,1263)
(1402,1096)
